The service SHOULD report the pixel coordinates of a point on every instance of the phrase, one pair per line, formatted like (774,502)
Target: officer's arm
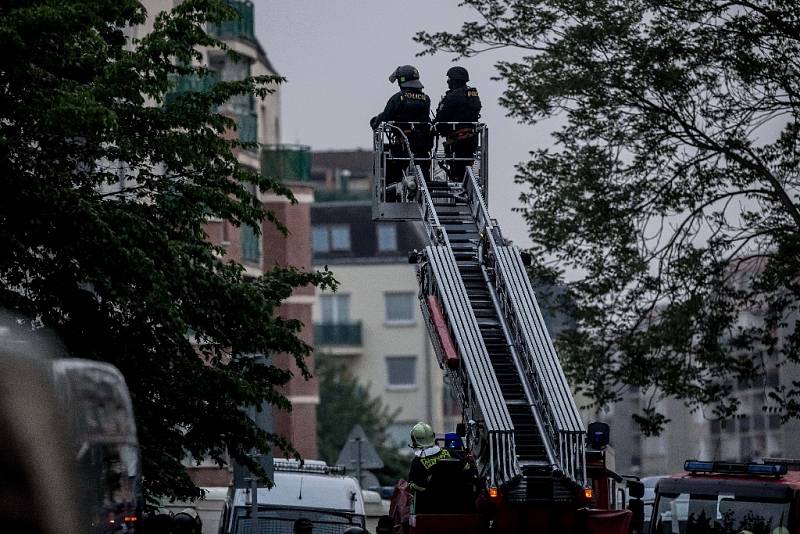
(388,112)
(445,111)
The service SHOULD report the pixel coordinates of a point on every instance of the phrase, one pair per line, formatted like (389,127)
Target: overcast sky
(337,56)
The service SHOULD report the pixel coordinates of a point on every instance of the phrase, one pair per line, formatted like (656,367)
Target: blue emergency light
(696,466)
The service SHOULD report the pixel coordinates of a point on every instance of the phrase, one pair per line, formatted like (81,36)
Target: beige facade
(373,323)
(367,287)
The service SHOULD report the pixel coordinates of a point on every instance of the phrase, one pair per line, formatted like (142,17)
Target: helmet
(422,436)
(458,73)
(406,76)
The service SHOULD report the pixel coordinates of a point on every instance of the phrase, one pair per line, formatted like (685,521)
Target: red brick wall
(299,425)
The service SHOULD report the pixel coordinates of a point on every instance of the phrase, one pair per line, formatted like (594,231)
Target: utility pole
(358,459)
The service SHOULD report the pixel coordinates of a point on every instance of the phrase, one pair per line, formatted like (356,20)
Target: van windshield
(719,514)
(281,521)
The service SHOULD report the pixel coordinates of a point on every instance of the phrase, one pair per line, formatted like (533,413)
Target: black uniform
(459,104)
(443,483)
(406,106)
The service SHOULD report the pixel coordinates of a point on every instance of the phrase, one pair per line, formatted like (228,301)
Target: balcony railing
(286,162)
(338,334)
(191,83)
(241,26)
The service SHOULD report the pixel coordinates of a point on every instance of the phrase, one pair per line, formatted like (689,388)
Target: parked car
(311,490)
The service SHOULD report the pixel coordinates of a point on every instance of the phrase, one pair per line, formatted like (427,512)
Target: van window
(718,514)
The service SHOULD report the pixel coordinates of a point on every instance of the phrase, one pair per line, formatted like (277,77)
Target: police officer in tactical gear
(409,105)
(462,105)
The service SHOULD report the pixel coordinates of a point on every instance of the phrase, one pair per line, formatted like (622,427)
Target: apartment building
(754,433)
(373,322)
(258,121)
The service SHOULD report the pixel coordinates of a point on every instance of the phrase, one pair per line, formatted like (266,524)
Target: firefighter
(462,105)
(438,480)
(409,105)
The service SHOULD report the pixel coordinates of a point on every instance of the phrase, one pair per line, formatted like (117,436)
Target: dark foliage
(672,192)
(345,403)
(113,255)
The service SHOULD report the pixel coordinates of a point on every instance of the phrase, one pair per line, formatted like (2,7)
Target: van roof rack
(308,466)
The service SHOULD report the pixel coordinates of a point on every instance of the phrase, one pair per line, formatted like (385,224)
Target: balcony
(337,335)
(191,84)
(241,26)
(247,124)
(286,162)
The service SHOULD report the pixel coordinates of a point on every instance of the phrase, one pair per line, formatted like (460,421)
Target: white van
(312,490)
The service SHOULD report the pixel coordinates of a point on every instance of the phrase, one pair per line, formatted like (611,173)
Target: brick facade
(299,425)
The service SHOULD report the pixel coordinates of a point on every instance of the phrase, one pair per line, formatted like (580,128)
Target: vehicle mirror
(635,489)
(461,429)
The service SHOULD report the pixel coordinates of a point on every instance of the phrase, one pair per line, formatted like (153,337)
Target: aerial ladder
(522,424)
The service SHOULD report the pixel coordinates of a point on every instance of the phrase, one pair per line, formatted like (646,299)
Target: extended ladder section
(488,331)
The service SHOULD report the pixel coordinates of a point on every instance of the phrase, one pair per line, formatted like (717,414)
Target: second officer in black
(407,106)
(460,105)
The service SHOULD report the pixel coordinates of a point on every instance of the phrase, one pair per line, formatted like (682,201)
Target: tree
(672,192)
(344,403)
(124,273)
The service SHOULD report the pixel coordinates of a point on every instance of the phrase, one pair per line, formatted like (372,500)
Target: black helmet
(406,76)
(458,73)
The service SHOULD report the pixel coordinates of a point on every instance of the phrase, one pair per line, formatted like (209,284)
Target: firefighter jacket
(422,464)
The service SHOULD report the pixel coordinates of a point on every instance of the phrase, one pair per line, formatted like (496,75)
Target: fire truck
(729,498)
(521,424)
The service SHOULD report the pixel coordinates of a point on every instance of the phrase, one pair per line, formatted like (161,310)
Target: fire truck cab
(729,498)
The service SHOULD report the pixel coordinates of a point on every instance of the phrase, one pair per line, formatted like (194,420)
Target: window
(335,309)
(773,378)
(340,237)
(758,422)
(250,241)
(400,308)
(401,371)
(744,424)
(387,237)
(330,238)
(319,239)
(251,245)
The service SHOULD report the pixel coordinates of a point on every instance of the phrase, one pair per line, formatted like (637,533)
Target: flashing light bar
(294,466)
(696,466)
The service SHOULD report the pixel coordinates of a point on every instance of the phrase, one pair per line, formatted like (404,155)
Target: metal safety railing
(544,383)
(554,406)
(392,151)
(475,382)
